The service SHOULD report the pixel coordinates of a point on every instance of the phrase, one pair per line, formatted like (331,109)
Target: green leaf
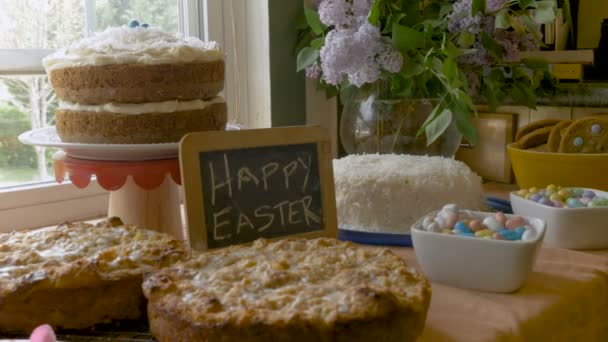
(347,93)
(318,43)
(411,9)
(436,127)
(503,20)
(402,86)
(411,69)
(405,38)
(392,19)
(536,63)
(527,3)
(524,95)
(450,68)
(466,39)
(494,48)
(531,26)
(330,92)
(478,6)
(374,13)
(462,116)
(452,51)
(312,17)
(545,11)
(307,57)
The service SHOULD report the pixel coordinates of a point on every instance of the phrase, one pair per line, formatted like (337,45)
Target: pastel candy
(545,201)
(492,224)
(484,233)
(514,222)
(556,197)
(462,226)
(433,227)
(450,207)
(476,225)
(500,217)
(578,142)
(509,235)
(574,203)
(427,221)
(585,200)
(589,194)
(528,235)
(441,222)
(577,192)
(536,197)
(450,218)
(596,129)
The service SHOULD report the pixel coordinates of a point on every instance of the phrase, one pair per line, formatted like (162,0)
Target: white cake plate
(48,137)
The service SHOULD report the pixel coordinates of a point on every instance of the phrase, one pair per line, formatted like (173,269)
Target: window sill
(49,203)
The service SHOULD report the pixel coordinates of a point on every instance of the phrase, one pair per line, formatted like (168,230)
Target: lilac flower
(460,18)
(336,13)
(358,56)
(344,13)
(390,59)
(314,71)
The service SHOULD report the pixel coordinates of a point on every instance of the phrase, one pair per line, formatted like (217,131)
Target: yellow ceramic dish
(539,169)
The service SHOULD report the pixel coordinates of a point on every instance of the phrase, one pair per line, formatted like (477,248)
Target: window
(31,29)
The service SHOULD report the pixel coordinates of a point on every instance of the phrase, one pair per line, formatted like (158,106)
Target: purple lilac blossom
(314,71)
(354,49)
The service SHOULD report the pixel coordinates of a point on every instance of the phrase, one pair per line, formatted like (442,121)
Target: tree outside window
(28,101)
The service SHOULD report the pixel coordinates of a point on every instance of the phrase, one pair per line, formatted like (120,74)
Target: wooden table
(564,299)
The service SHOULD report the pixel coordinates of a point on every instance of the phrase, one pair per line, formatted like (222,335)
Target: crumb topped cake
(137,85)
(390,192)
(76,276)
(289,290)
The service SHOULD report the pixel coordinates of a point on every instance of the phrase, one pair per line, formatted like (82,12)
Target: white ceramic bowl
(473,263)
(572,228)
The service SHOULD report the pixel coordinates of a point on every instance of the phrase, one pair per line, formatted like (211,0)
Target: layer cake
(137,85)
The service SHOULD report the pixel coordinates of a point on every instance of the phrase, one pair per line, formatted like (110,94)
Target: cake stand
(143,179)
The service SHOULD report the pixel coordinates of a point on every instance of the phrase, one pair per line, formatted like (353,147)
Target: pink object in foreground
(43,333)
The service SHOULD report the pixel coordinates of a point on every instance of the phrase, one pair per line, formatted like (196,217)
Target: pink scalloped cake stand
(142,193)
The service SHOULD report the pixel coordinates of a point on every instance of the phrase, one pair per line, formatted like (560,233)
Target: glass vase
(375,122)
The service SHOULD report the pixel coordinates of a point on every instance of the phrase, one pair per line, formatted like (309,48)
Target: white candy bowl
(571,228)
(473,263)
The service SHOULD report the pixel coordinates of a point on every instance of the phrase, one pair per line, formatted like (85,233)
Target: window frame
(48,203)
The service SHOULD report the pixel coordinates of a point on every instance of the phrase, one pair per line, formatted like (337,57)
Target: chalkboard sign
(250,184)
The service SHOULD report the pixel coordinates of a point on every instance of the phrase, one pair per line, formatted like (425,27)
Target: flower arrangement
(457,51)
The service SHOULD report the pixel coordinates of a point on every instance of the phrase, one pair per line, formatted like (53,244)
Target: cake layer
(126,45)
(112,128)
(389,193)
(141,108)
(138,83)
(289,290)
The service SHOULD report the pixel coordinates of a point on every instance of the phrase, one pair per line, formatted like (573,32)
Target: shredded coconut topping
(123,45)
(389,193)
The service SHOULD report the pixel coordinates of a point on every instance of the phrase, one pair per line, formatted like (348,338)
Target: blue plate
(405,240)
(499,204)
(369,238)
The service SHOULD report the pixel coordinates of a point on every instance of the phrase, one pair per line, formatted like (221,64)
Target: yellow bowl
(539,169)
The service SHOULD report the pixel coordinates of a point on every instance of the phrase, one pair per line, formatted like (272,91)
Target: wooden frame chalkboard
(247,184)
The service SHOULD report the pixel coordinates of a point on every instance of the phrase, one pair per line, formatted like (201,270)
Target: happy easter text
(266,199)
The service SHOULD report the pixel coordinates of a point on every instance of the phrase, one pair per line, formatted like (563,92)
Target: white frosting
(123,45)
(142,108)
